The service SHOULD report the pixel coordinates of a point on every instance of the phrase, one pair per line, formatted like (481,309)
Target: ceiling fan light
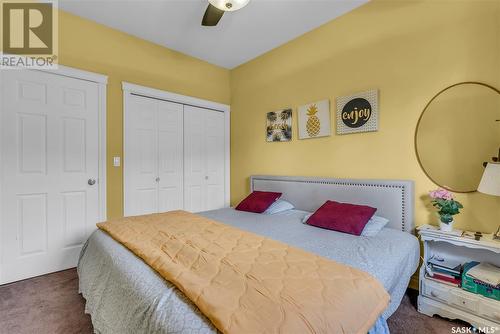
(229,5)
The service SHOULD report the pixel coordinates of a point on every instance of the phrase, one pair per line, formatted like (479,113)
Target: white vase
(446,227)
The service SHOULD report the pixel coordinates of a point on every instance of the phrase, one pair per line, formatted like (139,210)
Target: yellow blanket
(246,283)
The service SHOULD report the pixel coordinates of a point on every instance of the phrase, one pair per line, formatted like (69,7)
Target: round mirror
(458,130)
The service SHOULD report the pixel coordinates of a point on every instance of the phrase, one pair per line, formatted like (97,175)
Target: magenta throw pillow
(258,201)
(342,217)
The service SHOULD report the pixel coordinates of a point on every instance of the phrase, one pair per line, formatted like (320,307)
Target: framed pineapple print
(314,120)
(279,125)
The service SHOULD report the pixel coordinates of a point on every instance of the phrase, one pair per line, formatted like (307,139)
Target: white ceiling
(240,36)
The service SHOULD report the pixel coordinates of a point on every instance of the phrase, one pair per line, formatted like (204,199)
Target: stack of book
(445,271)
(486,273)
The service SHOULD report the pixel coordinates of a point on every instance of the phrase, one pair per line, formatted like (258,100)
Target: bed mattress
(124,295)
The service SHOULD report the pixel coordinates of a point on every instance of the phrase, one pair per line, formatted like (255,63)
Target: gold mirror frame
(420,119)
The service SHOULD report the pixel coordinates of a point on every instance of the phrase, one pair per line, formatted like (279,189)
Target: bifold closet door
(170,156)
(204,157)
(153,173)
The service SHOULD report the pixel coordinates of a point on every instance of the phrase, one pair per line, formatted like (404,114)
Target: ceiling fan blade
(212,16)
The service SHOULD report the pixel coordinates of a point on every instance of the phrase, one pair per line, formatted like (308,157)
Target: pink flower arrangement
(441,193)
(447,207)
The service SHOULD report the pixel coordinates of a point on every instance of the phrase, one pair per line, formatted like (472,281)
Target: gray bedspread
(124,295)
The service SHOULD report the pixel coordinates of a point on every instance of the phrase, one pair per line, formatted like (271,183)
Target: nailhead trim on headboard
(340,183)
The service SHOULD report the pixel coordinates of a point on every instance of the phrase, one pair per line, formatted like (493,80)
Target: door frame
(102,81)
(134,89)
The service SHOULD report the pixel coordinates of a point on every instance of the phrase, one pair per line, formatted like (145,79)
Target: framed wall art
(279,126)
(314,120)
(357,112)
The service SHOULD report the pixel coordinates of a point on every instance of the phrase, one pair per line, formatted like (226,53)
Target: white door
(170,156)
(204,159)
(50,167)
(153,156)
(140,157)
(215,160)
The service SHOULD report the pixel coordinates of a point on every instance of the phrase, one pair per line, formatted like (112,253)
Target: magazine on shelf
(448,279)
(453,266)
(435,279)
(448,273)
(487,273)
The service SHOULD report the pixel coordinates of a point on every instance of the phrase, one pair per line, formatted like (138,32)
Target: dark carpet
(51,304)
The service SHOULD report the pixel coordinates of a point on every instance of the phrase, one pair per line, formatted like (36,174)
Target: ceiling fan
(217,8)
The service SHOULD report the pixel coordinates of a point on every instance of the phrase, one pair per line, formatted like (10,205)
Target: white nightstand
(453,302)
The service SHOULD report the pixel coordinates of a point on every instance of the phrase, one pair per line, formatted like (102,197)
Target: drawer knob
(434,294)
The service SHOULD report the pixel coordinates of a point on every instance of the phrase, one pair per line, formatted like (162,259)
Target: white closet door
(203,159)
(194,159)
(170,150)
(215,160)
(153,156)
(50,161)
(141,156)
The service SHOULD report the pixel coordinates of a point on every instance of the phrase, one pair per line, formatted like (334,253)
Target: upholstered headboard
(394,199)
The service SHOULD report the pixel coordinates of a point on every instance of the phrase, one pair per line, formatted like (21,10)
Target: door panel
(32,220)
(146,151)
(32,146)
(194,159)
(215,160)
(74,217)
(49,151)
(147,200)
(74,143)
(141,156)
(204,158)
(75,98)
(153,156)
(170,153)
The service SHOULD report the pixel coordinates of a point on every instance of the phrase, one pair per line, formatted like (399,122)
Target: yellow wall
(409,50)
(90,46)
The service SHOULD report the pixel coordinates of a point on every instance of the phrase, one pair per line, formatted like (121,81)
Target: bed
(124,295)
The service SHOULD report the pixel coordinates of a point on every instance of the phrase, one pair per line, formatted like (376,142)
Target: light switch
(116,161)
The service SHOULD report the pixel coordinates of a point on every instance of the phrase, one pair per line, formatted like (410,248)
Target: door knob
(157,179)
(91,182)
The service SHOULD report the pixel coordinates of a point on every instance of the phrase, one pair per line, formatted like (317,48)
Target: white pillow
(374,225)
(279,206)
(371,229)
(306,217)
